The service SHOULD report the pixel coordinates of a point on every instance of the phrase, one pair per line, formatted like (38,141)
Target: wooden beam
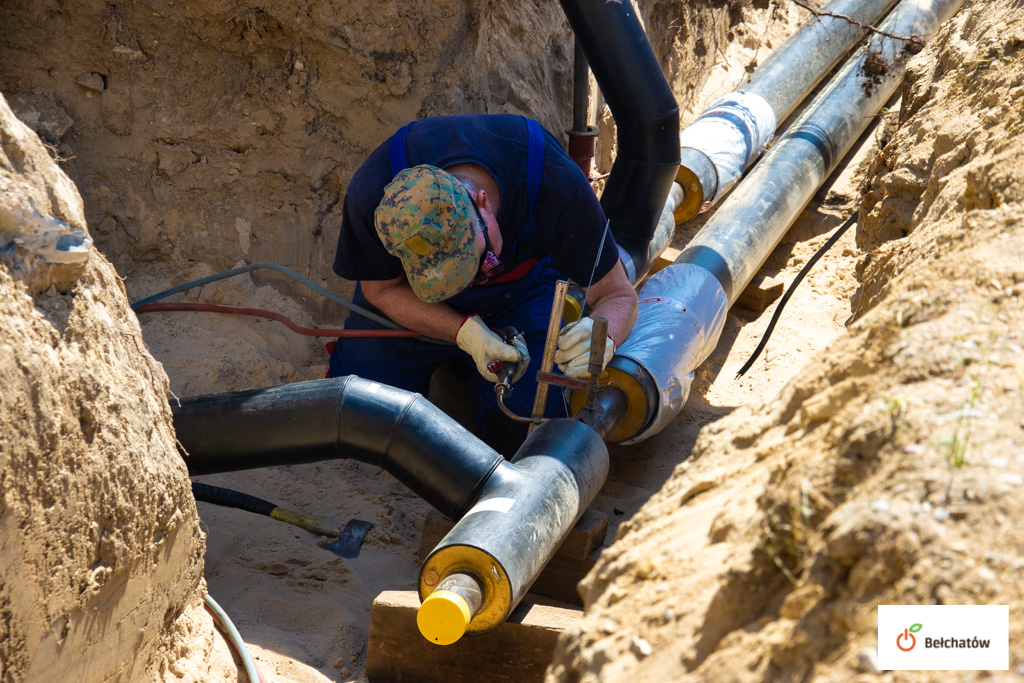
(760,293)
(518,650)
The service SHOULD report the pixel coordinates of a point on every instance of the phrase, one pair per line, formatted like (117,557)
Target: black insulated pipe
(524,512)
(341,418)
(646,118)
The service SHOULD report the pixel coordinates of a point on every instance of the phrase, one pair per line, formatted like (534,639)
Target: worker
(458,226)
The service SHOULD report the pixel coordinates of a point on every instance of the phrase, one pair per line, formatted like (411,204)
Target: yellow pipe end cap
(572,311)
(443,617)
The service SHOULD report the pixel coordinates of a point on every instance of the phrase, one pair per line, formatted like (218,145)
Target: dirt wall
(100,548)
(889,470)
(214,132)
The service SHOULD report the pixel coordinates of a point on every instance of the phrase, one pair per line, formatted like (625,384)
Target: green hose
(235,638)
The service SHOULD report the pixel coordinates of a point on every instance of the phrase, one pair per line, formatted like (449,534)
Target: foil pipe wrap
(732,132)
(681,314)
(663,234)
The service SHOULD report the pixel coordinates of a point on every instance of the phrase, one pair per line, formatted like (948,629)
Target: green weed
(955,447)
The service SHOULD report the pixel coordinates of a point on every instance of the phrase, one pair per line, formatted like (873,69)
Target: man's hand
(573,355)
(476,339)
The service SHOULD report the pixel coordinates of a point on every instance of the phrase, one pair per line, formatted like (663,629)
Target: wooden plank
(560,577)
(518,650)
(760,293)
(588,534)
(665,259)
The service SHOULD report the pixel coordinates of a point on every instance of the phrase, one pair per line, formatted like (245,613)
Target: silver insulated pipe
(682,308)
(734,130)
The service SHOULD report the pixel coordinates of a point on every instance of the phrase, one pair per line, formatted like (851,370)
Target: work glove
(476,339)
(573,354)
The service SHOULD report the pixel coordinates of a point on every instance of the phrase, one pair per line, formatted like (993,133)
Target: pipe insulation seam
(732,132)
(754,218)
(398,424)
(680,318)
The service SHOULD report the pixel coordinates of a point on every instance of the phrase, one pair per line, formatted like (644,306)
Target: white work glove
(476,339)
(573,355)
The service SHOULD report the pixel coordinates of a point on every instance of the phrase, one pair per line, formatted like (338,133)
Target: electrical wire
(789,292)
(271,315)
(224,623)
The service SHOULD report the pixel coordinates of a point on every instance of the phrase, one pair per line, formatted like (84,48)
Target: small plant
(785,541)
(896,408)
(956,447)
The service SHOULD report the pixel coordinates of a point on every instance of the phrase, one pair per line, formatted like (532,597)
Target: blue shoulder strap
(396,149)
(534,166)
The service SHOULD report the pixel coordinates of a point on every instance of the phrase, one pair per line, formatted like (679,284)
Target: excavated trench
(206,135)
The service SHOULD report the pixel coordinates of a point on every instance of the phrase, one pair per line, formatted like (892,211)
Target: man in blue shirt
(459,225)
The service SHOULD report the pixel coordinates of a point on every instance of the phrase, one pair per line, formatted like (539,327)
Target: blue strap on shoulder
(534,167)
(396,149)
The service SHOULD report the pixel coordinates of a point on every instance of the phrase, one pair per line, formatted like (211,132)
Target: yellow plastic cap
(443,617)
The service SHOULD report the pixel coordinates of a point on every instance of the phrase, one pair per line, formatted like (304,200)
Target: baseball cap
(426,220)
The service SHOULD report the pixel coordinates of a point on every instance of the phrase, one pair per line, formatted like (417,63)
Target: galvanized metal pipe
(682,308)
(752,221)
(580,89)
(732,133)
(807,56)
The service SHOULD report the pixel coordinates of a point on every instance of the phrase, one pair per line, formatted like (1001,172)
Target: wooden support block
(518,650)
(760,293)
(560,577)
(588,535)
(665,259)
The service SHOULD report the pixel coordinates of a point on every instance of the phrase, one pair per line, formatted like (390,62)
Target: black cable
(789,292)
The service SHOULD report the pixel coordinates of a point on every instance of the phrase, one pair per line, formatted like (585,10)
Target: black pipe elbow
(342,418)
(646,119)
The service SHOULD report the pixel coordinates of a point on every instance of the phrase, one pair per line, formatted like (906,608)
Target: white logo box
(943,637)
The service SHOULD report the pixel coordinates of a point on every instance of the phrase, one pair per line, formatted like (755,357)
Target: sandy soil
(101,557)
(244,550)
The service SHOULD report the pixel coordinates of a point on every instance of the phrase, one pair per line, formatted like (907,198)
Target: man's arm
(614,298)
(395,299)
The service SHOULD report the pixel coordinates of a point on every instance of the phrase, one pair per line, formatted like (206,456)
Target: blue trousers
(524,304)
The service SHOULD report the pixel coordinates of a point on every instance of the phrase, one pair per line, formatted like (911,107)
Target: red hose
(259,313)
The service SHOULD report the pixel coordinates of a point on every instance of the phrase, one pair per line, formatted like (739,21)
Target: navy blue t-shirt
(568,218)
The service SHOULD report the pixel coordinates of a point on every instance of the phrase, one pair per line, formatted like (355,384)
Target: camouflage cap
(426,220)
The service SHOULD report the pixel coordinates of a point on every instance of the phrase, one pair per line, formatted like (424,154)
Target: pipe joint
(526,509)
(638,390)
